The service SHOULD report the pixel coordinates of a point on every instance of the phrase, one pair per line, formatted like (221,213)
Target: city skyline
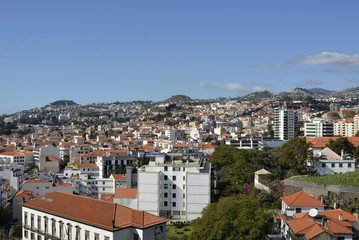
(89,51)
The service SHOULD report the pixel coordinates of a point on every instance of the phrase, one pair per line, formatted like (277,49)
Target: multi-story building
(66,216)
(318,128)
(344,127)
(285,123)
(173,185)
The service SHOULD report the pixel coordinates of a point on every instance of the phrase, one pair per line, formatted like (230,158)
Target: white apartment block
(42,187)
(66,216)
(48,150)
(285,123)
(179,187)
(12,159)
(318,128)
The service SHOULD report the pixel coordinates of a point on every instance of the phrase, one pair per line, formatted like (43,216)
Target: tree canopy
(294,155)
(340,144)
(236,217)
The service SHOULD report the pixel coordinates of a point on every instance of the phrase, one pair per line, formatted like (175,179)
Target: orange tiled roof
(125,192)
(23,193)
(89,165)
(302,199)
(321,142)
(104,214)
(119,177)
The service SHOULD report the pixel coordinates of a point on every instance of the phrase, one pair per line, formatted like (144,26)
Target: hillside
(178,98)
(62,103)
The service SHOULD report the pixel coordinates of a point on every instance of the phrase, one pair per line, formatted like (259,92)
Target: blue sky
(105,51)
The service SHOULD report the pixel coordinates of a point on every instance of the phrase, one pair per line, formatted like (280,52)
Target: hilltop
(178,98)
(62,103)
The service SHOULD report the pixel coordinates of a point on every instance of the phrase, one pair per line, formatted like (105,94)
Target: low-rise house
(299,202)
(67,216)
(328,162)
(48,163)
(20,197)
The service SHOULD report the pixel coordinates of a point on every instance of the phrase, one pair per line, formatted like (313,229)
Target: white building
(285,123)
(328,162)
(299,202)
(318,129)
(66,216)
(47,150)
(177,187)
(42,187)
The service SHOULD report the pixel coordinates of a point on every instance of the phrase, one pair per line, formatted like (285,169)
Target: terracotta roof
(50,158)
(89,165)
(321,142)
(23,193)
(104,214)
(119,177)
(306,226)
(302,199)
(125,192)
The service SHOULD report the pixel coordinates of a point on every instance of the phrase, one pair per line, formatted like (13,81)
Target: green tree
(237,217)
(293,155)
(340,144)
(270,130)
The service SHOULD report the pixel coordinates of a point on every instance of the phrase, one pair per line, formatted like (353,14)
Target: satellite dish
(313,212)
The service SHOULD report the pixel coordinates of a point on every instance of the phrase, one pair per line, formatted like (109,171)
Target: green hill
(62,103)
(178,98)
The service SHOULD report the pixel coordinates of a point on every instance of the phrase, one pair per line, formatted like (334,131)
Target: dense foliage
(236,217)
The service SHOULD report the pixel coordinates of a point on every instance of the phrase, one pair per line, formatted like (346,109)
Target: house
(328,162)
(67,216)
(42,187)
(48,163)
(331,224)
(299,202)
(20,197)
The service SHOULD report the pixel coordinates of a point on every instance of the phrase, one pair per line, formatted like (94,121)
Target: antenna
(313,212)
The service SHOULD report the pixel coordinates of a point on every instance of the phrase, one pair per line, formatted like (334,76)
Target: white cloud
(202,84)
(258,88)
(330,58)
(310,82)
(234,87)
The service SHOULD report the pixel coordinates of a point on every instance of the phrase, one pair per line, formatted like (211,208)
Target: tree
(340,144)
(237,217)
(293,155)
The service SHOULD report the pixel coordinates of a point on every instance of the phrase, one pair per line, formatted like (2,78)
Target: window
(87,235)
(173,186)
(38,237)
(184,195)
(26,233)
(173,204)
(174,178)
(166,168)
(184,169)
(96,236)
(184,204)
(340,164)
(165,186)
(165,177)
(69,231)
(47,187)
(103,189)
(165,195)
(333,164)
(103,183)
(25,218)
(323,164)
(33,235)
(135,236)
(349,165)
(106,238)
(61,230)
(78,231)
(53,226)
(46,226)
(184,178)
(184,186)
(298,210)
(165,203)
(173,195)
(39,222)
(32,220)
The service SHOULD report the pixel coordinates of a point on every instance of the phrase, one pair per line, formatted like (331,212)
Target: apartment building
(173,185)
(318,128)
(285,123)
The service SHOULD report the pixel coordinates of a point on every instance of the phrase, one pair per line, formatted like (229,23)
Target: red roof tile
(104,214)
(302,199)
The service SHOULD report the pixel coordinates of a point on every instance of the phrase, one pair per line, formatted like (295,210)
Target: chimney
(340,217)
